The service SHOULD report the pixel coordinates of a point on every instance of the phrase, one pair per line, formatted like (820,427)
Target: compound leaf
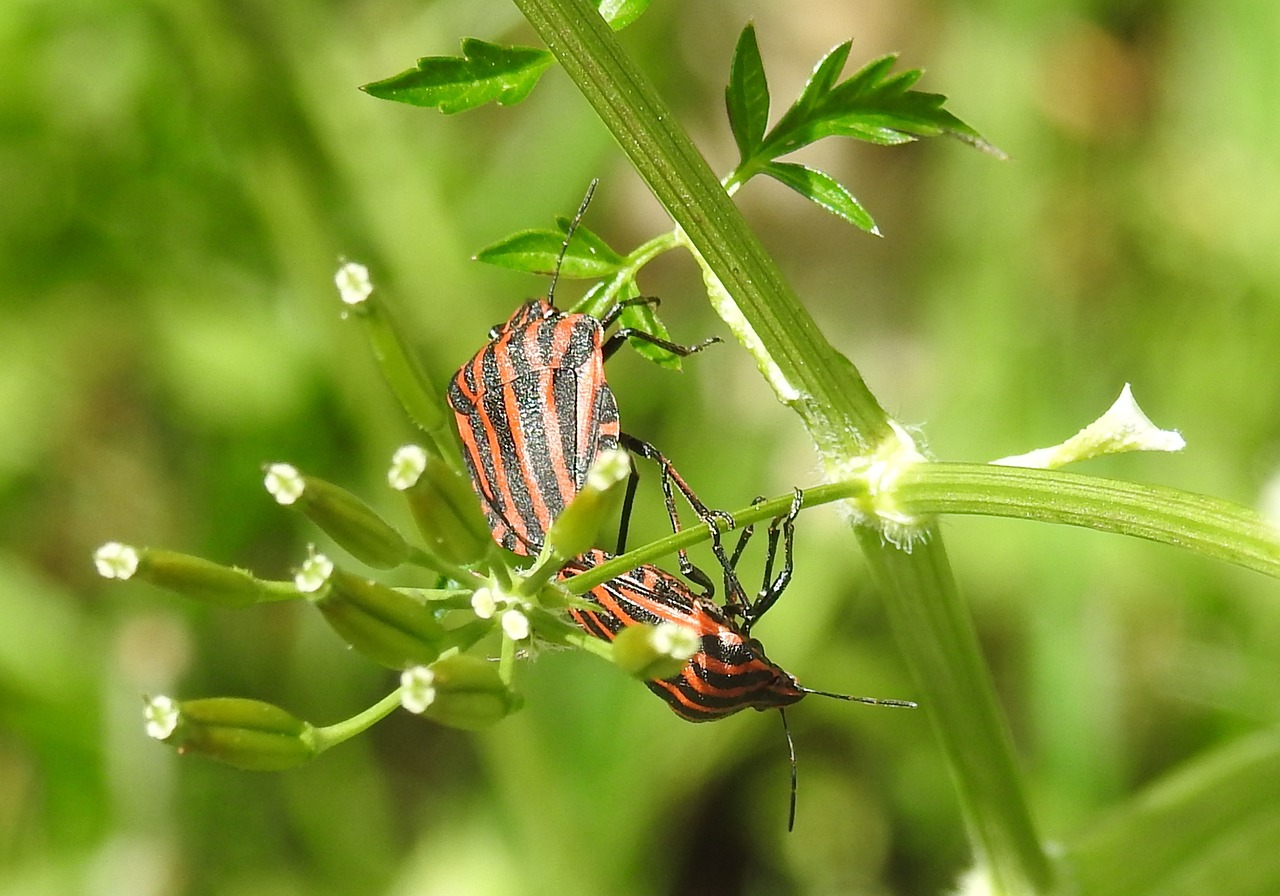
(871,105)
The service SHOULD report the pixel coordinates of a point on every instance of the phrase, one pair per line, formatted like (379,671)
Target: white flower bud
(162,716)
(285,483)
(313,574)
(407,465)
(515,624)
(353,283)
(115,560)
(417,689)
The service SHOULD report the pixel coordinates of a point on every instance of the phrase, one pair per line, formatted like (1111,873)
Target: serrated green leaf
(870,74)
(824,75)
(621,13)
(538,252)
(824,190)
(485,73)
(872,105)
(747,95)
(806,105)
(589,251)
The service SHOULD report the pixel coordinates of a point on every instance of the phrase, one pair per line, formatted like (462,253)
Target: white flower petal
(484,603)
(354,285)
(285,483)
(679,642)
(417,689)
(515,624)
(313,574)
(115,560)
(407,465)
(162,716)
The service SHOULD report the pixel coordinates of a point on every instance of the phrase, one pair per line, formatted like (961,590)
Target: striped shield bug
(534,409)
(730,671)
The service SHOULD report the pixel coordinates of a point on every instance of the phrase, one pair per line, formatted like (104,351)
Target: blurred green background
(178,182)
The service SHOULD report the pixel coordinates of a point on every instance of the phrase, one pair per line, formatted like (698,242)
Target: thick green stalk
(842,417)
(1207,525)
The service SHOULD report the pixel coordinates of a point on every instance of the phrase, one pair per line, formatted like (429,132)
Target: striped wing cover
(730,671)
(533,410)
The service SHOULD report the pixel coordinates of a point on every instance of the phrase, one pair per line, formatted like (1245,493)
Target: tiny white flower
(417,689)
(676,641)
(115,560)
(353,283)
(162,716)
(608,469)
(313,574)
(285,483)
(484,603)
(407,465)
(515,624)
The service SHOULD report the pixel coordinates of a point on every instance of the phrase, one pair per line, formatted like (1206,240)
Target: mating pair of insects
(534,411)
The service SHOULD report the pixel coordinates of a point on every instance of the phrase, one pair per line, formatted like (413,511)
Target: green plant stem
(507,660)
(277,589)
(332,735)
(1209,526)
(460,574)
(1212,527)
(635,261)
(842,416)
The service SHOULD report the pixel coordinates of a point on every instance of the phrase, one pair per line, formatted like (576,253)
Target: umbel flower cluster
(456,646)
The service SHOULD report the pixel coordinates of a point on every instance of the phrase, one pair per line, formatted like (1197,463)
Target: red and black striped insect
(534,410)
(730,671)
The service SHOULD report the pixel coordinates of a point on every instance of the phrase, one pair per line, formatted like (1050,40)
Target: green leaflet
(538,251)
(486,73)
(823,189)
(872,105)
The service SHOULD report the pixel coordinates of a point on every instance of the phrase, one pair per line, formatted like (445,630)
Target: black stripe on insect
(730,671)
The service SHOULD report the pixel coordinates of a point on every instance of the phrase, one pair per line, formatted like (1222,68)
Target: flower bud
(654,651)
(354,285)
(460,691)
(443,504)
(349,521)
(385,625)
(515,624)
(247,734)
(192,577)
(578,525)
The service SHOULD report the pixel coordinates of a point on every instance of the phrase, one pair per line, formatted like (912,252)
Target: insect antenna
(568,235)
(791,747)
(791,750)
(874,701)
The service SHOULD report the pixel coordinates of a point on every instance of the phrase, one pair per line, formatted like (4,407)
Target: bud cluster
(422,633)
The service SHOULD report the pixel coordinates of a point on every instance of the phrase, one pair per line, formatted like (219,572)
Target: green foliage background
(177,184)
